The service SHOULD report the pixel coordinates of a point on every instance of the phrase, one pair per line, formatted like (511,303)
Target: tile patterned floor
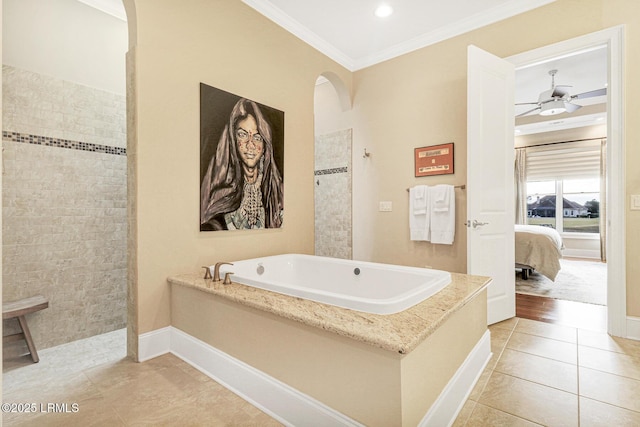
(553,375)
(540,374)
(111,390)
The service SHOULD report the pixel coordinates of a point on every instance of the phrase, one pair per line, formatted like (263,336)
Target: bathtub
(363,286)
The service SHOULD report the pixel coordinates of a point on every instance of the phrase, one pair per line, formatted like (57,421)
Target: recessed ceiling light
(383,11)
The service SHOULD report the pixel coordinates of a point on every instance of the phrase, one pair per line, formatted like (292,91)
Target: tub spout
(216,270)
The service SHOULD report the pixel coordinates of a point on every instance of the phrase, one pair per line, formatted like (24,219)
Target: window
(563,187)
(541,203)
(580,201)
(582,216)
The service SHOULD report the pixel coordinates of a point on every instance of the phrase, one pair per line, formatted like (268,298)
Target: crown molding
(490,16)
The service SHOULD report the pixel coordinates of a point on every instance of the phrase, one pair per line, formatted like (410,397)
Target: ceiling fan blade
(571,107)
(527,112)
(526,103)
(559,91)
(590,94)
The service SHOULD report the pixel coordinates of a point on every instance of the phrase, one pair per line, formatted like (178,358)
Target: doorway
(332,171)
(609,42)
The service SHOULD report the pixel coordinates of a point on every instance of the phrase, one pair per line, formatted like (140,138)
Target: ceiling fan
(557,100)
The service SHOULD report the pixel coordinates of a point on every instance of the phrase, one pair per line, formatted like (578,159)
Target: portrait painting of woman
(241,162)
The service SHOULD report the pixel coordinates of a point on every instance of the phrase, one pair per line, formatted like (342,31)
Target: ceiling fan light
(552,108)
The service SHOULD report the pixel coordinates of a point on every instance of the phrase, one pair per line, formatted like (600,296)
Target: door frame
(616,257)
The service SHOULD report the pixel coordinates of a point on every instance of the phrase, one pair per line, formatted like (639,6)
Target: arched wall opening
(333,186)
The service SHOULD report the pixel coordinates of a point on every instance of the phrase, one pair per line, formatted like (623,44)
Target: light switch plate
(385,207)
(635,202)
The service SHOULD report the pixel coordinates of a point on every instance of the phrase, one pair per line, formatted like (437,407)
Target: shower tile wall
(333,195)
(64,206)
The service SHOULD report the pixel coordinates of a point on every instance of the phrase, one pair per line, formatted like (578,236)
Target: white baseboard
(448,405)
(288,405)
(581,253)
(633,328)
(153,344)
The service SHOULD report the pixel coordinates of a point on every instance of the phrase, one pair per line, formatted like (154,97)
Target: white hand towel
(440,198)
(443,214)
(419,213)
(420,197)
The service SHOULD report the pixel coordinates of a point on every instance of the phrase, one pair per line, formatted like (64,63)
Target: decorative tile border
(62,143)
(331,171)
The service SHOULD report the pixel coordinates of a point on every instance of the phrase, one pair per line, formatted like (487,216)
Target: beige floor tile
(545,347)
(541,370)
(604,341)
(609,361)
(530,401)
(547,330)
(90,411)
(608,388)
(508,324)
(499,338)
(480,384)
(598,414)
(115,391)
(69,388)
(167,391)
(465,413)
(483,416)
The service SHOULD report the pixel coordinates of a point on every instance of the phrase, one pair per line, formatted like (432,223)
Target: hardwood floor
(561,312)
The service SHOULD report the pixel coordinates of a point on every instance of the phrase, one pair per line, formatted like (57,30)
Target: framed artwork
(434,160)
(241,162)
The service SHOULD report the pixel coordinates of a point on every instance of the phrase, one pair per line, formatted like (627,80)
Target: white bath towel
(443,214)
(419,213)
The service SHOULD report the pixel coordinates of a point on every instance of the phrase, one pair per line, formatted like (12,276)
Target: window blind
(571,160)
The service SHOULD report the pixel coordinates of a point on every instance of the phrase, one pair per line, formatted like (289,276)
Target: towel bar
(462,187)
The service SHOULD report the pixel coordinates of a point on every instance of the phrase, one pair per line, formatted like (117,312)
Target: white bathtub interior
(357,285)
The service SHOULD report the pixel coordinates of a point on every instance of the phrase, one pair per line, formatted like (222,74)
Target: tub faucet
(216,270)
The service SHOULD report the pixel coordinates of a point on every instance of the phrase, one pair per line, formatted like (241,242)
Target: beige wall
(414,100)
(227,45)
(419,99)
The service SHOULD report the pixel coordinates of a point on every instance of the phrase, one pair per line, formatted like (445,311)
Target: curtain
(603,200)
(520,175)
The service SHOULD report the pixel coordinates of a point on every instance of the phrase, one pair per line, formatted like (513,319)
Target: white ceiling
(110,7)
(348,32)
(584,71)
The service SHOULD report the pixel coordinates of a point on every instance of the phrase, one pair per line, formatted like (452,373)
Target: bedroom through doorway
(561,181)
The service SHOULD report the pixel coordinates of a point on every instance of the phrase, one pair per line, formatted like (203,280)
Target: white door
(490,182)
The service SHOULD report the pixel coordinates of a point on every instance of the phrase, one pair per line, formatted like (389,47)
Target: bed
(538,248)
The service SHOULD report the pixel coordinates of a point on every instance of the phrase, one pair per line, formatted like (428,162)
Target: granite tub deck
(400,332)
(333,365)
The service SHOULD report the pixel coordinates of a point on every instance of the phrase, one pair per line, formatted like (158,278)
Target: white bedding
(538,247)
